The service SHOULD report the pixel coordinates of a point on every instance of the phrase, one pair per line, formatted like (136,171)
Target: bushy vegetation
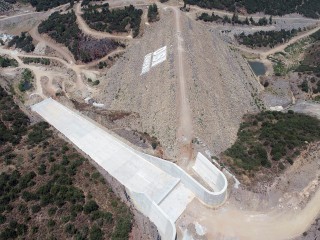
(266,38)
(44,193)
(153,14)
(234,20)
(26,83)
(8,62)
(24,42)
(102,65)
(43,61)
(101,18)
(310,8)
(39,133)
(279,68)
(268,137)
(44,5)
(64,29)
(311,61)
(13,123)
(5,6)
(310,83)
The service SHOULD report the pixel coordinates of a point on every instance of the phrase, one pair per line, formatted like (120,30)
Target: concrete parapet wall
(144,204)
(210,173)
(147,228)
(206,196)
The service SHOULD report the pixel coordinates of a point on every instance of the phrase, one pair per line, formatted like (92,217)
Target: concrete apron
(159,189)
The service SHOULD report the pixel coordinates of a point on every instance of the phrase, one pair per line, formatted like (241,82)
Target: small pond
(258,67)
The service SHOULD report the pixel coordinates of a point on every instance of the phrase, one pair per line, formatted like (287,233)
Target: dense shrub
(44,5)
(234,20)
(96,233)
(13,122)
(123,228)
(24,42)
(39,133)
(264,39)
(90,207)
(43,61)
(56,191)
(310,8)
(279,134)
(153,13)
(101,18)
(64,29)
(8,62)
(26,83)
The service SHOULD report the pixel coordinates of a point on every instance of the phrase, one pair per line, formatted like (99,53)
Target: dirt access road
(96,34)
(185,133)
(230,222)
(280,48)
(222,13)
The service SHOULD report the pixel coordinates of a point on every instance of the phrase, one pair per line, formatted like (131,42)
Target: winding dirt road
(222,13)
(96,34)
(230,222)
(227,222)
(63,51)
(280,48)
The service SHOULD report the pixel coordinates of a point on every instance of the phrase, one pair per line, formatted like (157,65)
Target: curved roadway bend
(63,52)
(230,14)
(230,222)
(89,31)
(265,54)
(184,134)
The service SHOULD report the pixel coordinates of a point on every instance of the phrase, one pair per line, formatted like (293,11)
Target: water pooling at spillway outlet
(258,68)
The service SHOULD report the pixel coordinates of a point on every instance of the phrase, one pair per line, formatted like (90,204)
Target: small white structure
(5,37)
(88,100)
(99,105)
(276,108)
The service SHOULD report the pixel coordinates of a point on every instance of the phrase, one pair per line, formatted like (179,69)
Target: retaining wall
(209,173)
(144,204)
(206,196)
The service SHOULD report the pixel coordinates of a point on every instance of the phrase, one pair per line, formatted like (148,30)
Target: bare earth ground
(152,95)
(284,211)
(208,81)
(204,87)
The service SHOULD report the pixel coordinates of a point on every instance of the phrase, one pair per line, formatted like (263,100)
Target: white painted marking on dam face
(154,59)
(146,63)
(159,56)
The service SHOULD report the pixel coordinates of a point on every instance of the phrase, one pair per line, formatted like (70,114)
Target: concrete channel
(159,189)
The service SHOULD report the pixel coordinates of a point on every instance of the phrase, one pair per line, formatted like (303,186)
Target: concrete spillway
(159,189)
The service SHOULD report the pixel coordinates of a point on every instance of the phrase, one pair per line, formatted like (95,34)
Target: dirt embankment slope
(219,84)
(152,95)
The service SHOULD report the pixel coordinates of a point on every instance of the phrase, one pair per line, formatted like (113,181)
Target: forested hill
(308,8)
(48,190)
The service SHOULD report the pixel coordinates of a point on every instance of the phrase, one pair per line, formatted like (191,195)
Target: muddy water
(258,68)
(232,223)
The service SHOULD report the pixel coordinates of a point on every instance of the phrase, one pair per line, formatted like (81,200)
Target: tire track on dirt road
(185,130)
